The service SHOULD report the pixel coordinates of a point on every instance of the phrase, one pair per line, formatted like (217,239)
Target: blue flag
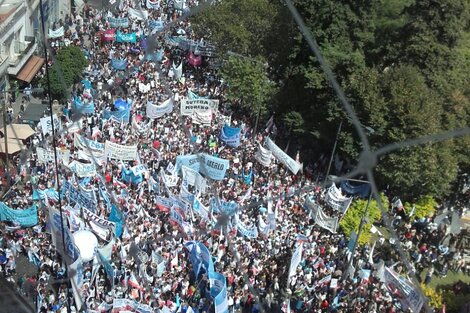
(230,135)
(117,217)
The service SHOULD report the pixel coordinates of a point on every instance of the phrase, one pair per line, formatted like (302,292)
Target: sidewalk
(17,104)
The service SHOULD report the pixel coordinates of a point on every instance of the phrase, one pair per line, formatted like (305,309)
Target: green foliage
(236,25)
(248,82)
(295,121)
(424,207)
(403,64)
(454,302)
(70,63)
(352,218)
(400,105)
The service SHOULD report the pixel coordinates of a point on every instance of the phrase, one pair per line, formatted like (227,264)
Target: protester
(148,218)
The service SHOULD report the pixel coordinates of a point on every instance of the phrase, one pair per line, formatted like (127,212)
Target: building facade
(21,37)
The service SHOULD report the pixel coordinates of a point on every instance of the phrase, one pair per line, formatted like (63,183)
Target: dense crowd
(256,269)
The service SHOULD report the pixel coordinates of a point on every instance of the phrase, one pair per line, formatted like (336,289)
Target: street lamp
(335,179)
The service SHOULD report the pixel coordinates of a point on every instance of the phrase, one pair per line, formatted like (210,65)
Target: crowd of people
(256,269)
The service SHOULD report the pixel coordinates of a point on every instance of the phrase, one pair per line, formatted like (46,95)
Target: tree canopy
(403,65)
(69,65)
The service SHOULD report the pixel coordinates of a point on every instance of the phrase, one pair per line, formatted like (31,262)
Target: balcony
(4,63)
(7,27)
(17,61)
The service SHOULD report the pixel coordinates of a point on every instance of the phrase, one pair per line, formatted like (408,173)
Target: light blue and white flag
(213,167)
(84,108)
(218,291)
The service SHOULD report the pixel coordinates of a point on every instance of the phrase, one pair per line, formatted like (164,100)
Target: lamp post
(363,218)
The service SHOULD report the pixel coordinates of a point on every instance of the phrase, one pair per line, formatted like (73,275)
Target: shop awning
(29,70)
(14,146)
(19,131)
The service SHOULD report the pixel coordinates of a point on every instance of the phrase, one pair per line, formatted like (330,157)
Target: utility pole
(5,137)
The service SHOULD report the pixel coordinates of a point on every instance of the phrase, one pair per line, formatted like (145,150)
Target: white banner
(157,111)
(189,107)
(45,156)
(99,158)
(193,178)
(203,118)
(56,33)
(178,71)
(120,152)
(87,144)
(138,14)
(46,125)
(249,232)
(285,159)
(319,217)
(82,169)
(336,200)
(294,262)
(263,156)
(168,180)
(408,294)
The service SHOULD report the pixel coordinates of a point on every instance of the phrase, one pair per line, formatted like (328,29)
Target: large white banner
(87,144)
(56,33)
(46,125)
(336,200)
(285,159)
(157,111)
(189,107)
(120,152)
(45,156)
(408,294)
(263,156)
(99,158)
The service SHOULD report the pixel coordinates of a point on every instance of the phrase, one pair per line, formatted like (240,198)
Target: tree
(433,29)
(398,104)
(247,81)
(352,218)
(69,65)
(237,25)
